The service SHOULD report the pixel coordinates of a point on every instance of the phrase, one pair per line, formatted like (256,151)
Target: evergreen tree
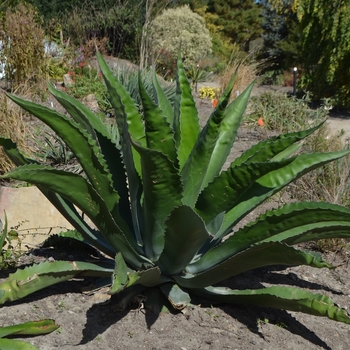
(280,34)
(239,20)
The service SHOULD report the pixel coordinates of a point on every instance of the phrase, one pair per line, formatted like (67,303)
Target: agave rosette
(161,204)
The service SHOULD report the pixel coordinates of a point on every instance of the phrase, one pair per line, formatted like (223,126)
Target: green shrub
(284,113)
(164,210)
(180,29)
(22,50)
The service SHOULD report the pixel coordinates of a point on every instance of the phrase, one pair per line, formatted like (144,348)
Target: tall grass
(12,126)
(247,69)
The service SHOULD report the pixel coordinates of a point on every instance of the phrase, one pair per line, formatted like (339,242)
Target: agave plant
(163,208)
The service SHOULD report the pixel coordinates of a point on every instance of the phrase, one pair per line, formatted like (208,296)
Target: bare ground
(94,322)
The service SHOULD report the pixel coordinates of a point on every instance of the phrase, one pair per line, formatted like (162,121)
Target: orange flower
(261,122)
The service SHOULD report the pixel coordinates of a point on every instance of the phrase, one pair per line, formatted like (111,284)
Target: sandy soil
(94,322)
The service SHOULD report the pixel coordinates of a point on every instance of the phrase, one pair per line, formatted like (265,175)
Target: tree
(279,34)
(324,52)
(180,28)
(239,20)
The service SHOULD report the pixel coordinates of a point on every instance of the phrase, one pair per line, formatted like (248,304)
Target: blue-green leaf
(159,134)
(186,122)
(185,233)
(196,166)
(162,193)
(288,298)
(162,101)
(212,269)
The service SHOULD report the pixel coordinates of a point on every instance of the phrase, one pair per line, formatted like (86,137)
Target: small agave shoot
(164,209)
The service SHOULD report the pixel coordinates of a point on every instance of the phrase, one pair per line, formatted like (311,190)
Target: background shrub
(22,53)
(180,28)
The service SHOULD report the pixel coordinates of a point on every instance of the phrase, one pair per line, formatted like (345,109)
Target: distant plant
(55,151)
(196,75)
(9,252)
(11,125)
(163,208)
(180,29)
(284,113)
(208,92)
(22,52)
(244,66)
(332,182)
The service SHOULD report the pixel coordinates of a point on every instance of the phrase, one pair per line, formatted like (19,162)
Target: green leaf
(120,275)
(228,132)
(159,134)
(81,144)
(64,206)
(80,113)
(36,277)
(29,328)
(293,223)
(185,234)
(231,185)
(99,132)
(272,148)
(123,277)
(301,222)
(196,166)
(273,182)
(13,344)
(162,101)
(211,268)
(129,123)
(3,233)
(77,190)
(186,122)
(128,118)
(162,193)
(177,297)
(280,297)
(13,153)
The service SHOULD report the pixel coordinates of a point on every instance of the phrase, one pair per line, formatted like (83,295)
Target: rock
(67,80)
(90,101)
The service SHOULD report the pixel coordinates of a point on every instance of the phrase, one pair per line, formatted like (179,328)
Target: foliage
(11,125)
(222,45)
(284,113)
(324,49)
(197,74)
(180,29)
(280,35)
(331,183)
(163,209)
(120,22)
(55,151)
(10,254)
(28,328)
(238,20)
(244,66)
(22,54)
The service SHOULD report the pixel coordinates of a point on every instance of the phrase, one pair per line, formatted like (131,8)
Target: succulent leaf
(206,273)
(36,277)
(287,298)
(162,193)
(186,122)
